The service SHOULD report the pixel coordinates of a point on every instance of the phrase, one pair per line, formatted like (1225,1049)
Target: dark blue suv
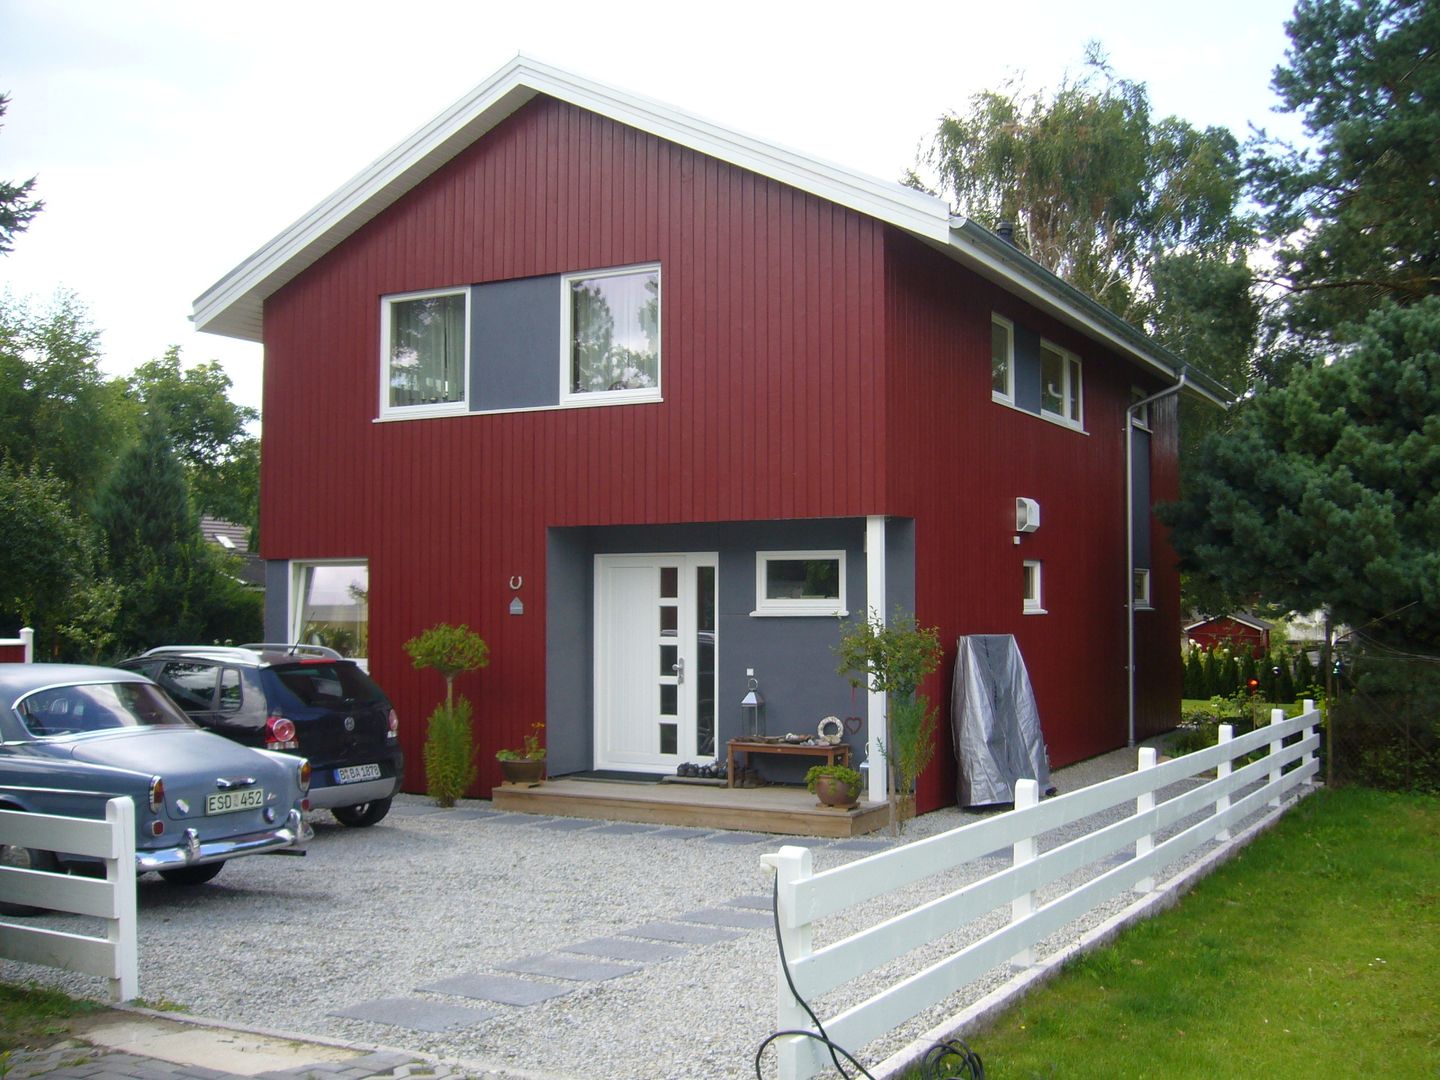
(304,699)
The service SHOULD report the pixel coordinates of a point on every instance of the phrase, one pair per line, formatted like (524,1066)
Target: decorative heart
(852,724)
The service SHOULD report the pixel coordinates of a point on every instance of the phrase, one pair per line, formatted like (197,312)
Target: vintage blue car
(73,737)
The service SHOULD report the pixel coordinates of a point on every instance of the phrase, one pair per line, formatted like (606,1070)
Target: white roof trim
(1241,619)
(234,305)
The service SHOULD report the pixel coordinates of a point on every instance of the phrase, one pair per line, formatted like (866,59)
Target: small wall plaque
(517,606)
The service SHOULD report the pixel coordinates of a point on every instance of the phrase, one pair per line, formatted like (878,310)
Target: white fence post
(123,929)
(791,865)
(27,640)
(1307,707)
(1027,794)
(1277,716)
(1222,772)
(1144,803)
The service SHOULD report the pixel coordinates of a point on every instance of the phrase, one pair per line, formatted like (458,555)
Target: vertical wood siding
(772,368)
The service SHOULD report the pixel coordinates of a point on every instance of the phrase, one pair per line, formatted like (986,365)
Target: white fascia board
(233,305)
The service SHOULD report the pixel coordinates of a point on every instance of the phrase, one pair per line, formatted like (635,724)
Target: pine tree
(1284,691)
(1195,677)
(1304,673)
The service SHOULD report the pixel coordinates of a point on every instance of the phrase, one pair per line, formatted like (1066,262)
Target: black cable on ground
(953,1054)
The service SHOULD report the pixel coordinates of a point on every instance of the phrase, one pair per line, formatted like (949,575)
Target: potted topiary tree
(834,785)
(449,741)
(893,659)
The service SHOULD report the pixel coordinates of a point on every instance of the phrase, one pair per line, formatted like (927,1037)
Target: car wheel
(193,875)
(26,859)
(362,814)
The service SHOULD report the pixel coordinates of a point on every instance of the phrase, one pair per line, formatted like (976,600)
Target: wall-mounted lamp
(1027,515)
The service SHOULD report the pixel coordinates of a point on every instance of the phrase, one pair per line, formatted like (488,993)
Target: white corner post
(875,703)
(1027,794)
(123,928)
(27,641)
(1222,772)
(792,865)
(1307,707)
(1277,716)
(1145,804)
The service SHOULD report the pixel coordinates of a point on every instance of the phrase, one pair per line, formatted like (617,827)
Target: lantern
(752,711)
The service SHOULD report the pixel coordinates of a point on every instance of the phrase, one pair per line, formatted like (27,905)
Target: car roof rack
(239,652)
(295,648)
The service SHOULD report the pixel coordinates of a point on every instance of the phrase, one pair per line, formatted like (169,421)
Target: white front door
(655,660)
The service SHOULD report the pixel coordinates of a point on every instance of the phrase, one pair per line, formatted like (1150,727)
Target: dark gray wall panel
(515,344)
(569,591)
(1140,490)
(277,600)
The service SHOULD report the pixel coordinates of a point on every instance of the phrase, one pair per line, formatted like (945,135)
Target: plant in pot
(893,659)
(834,785)
(526,765)
(449,740)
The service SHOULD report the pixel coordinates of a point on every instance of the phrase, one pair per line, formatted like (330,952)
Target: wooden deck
(788,811)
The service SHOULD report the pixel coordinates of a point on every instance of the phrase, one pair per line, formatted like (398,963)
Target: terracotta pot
(832,791)
(522,771)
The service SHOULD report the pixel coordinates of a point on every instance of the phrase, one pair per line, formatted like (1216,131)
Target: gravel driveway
(430,916)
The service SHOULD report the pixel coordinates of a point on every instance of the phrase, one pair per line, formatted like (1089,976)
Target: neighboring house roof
(1244,620)
(235,540)
(233,306)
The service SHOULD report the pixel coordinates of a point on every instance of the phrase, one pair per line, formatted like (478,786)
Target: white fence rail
(803,897)
(25,641)
(114,956)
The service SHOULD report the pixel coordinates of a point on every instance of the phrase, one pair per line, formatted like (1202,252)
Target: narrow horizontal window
(425,346)
(800,583)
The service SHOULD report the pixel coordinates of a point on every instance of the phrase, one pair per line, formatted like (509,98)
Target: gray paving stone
(759,903)
(625,828)
(568,824)
(417,1013)
(518,819)
(475,814)
(677,832)
(799,841)
(414,809)
(622,949)
(499,988)
(862,845)
(742,920)
(568,967)
(690,933)
(736,838)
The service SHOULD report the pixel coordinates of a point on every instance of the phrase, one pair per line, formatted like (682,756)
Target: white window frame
(1071,371)
(412,412)
(610,397)
(295,601)
(1140,588)
(790,608)
(1007,396)
(1033,597)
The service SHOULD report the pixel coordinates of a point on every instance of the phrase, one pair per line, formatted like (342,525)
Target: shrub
(449,752)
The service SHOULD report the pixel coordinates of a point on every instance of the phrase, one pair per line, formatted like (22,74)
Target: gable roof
(233,306)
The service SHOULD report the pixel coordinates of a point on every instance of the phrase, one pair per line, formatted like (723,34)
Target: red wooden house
(1233,630)
(651,404)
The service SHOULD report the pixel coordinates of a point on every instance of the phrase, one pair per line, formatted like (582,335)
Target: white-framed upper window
(1140,417)
(1140,587)
(610,336)
(1032,588)
(424,353)
(800,583)
(1002,358)
(1061,391)
(330,605)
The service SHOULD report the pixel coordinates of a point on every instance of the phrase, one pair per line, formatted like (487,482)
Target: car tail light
(304,776)
(157,794)
(280,734)
(394,732)
(157,828)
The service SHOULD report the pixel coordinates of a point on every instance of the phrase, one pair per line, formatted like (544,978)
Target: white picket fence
(26,642)
(112,898)
(804,897)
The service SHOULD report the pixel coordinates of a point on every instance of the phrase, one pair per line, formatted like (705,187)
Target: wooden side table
(831,752)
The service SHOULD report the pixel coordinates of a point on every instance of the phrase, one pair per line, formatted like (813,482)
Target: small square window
(610,328)
(800,583)
(1060,385)
(1032,592)
(1140,417)
(1140,588)
(330,606)
(425,343)
(1002,358)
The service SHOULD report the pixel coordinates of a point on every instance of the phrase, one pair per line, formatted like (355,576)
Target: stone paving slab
(413,809)
(568,824)
(862,845)
(680,832)
(737,838)
(622,949)
(625,828)
(420,1014)
(759,903)
(499,988)
(800,841)
(568,967)
(475,814)
(519,819)
(741,920)
(689,933)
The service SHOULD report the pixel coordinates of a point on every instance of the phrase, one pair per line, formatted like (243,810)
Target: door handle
(679,668)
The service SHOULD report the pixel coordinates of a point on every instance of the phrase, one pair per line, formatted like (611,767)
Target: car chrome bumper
(289,838)
(333,795)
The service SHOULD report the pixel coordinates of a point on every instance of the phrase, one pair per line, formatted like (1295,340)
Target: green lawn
(1314,952)
(31,1016)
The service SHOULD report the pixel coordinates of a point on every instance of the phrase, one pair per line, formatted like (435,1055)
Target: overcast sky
(172,138)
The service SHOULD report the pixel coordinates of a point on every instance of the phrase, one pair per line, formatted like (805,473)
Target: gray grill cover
(994,725)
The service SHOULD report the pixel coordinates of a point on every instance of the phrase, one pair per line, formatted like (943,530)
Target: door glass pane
(669,621)
(669,582)
(669,655)
(669,700)
(705,661)
(669,739)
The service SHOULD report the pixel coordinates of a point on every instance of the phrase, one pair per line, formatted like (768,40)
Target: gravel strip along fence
(430,895)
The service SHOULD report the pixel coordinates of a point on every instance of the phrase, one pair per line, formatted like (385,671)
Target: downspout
(1130,541)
